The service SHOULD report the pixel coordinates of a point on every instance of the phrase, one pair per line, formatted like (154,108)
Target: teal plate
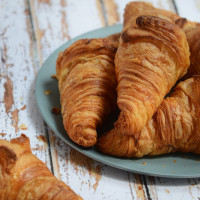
(171,165)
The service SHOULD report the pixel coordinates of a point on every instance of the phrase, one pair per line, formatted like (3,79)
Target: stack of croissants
(157,54)
(149,72)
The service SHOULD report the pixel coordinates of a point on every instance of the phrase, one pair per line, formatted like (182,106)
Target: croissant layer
(174,127)
(24,177)
(87,86)
(152,55)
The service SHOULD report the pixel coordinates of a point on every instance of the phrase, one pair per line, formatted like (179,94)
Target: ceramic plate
(172,165)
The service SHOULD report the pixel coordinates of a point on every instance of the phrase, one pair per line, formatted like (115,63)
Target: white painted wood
(56,22)
(189,9)
(17,74)
(177,188)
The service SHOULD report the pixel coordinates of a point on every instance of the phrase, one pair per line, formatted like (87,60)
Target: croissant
(144,8)
(192,32)
(152,55)
(24,177)
(87,86)
(174,127)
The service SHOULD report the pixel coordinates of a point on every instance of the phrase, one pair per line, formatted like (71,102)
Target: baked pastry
(174,127)
(143,8)
(191,29)
(192,32)
(87,86)
(24,177)
(152,55)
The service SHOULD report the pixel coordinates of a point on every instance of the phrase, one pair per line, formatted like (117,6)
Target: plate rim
(75,146)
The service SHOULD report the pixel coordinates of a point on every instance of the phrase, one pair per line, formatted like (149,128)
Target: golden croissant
(174,127)
(192,32)
(153,54)
(87,86)
(24,177)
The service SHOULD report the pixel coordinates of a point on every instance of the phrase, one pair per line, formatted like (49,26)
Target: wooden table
(30,30)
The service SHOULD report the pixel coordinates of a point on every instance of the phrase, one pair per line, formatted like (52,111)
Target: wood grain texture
(30,31)
(17,76)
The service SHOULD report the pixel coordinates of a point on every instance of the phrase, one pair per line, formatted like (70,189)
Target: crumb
(55,110)
(167,191)
(164,165)
(2,134)
(140,187)
(41,138)
(23,127)
(144,163)
(54,76)
(174,161)
(47,92)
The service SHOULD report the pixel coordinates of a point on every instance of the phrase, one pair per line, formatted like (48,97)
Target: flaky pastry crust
(153,54)
(87,86)
(24,177)
(174,127)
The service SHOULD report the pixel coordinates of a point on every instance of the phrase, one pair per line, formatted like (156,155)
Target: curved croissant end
(87,86)
(152,55)
(174,127)
(24,176)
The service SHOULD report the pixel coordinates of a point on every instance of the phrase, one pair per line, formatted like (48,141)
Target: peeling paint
(23,107)
(83,164)
(8,94)
(15,119)
(100,11)
(45,1)
(42,138)
(3,134)
(23,127)
(63,3)
(55,156)
(138,187)
(111,11)
(64,26)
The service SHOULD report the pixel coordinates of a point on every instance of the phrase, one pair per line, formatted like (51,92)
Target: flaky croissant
(152,55)
(138,8)
(87,86)
(174,127)
(192,32)
(24,177)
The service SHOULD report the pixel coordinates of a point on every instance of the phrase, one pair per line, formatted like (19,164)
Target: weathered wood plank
(17,76)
